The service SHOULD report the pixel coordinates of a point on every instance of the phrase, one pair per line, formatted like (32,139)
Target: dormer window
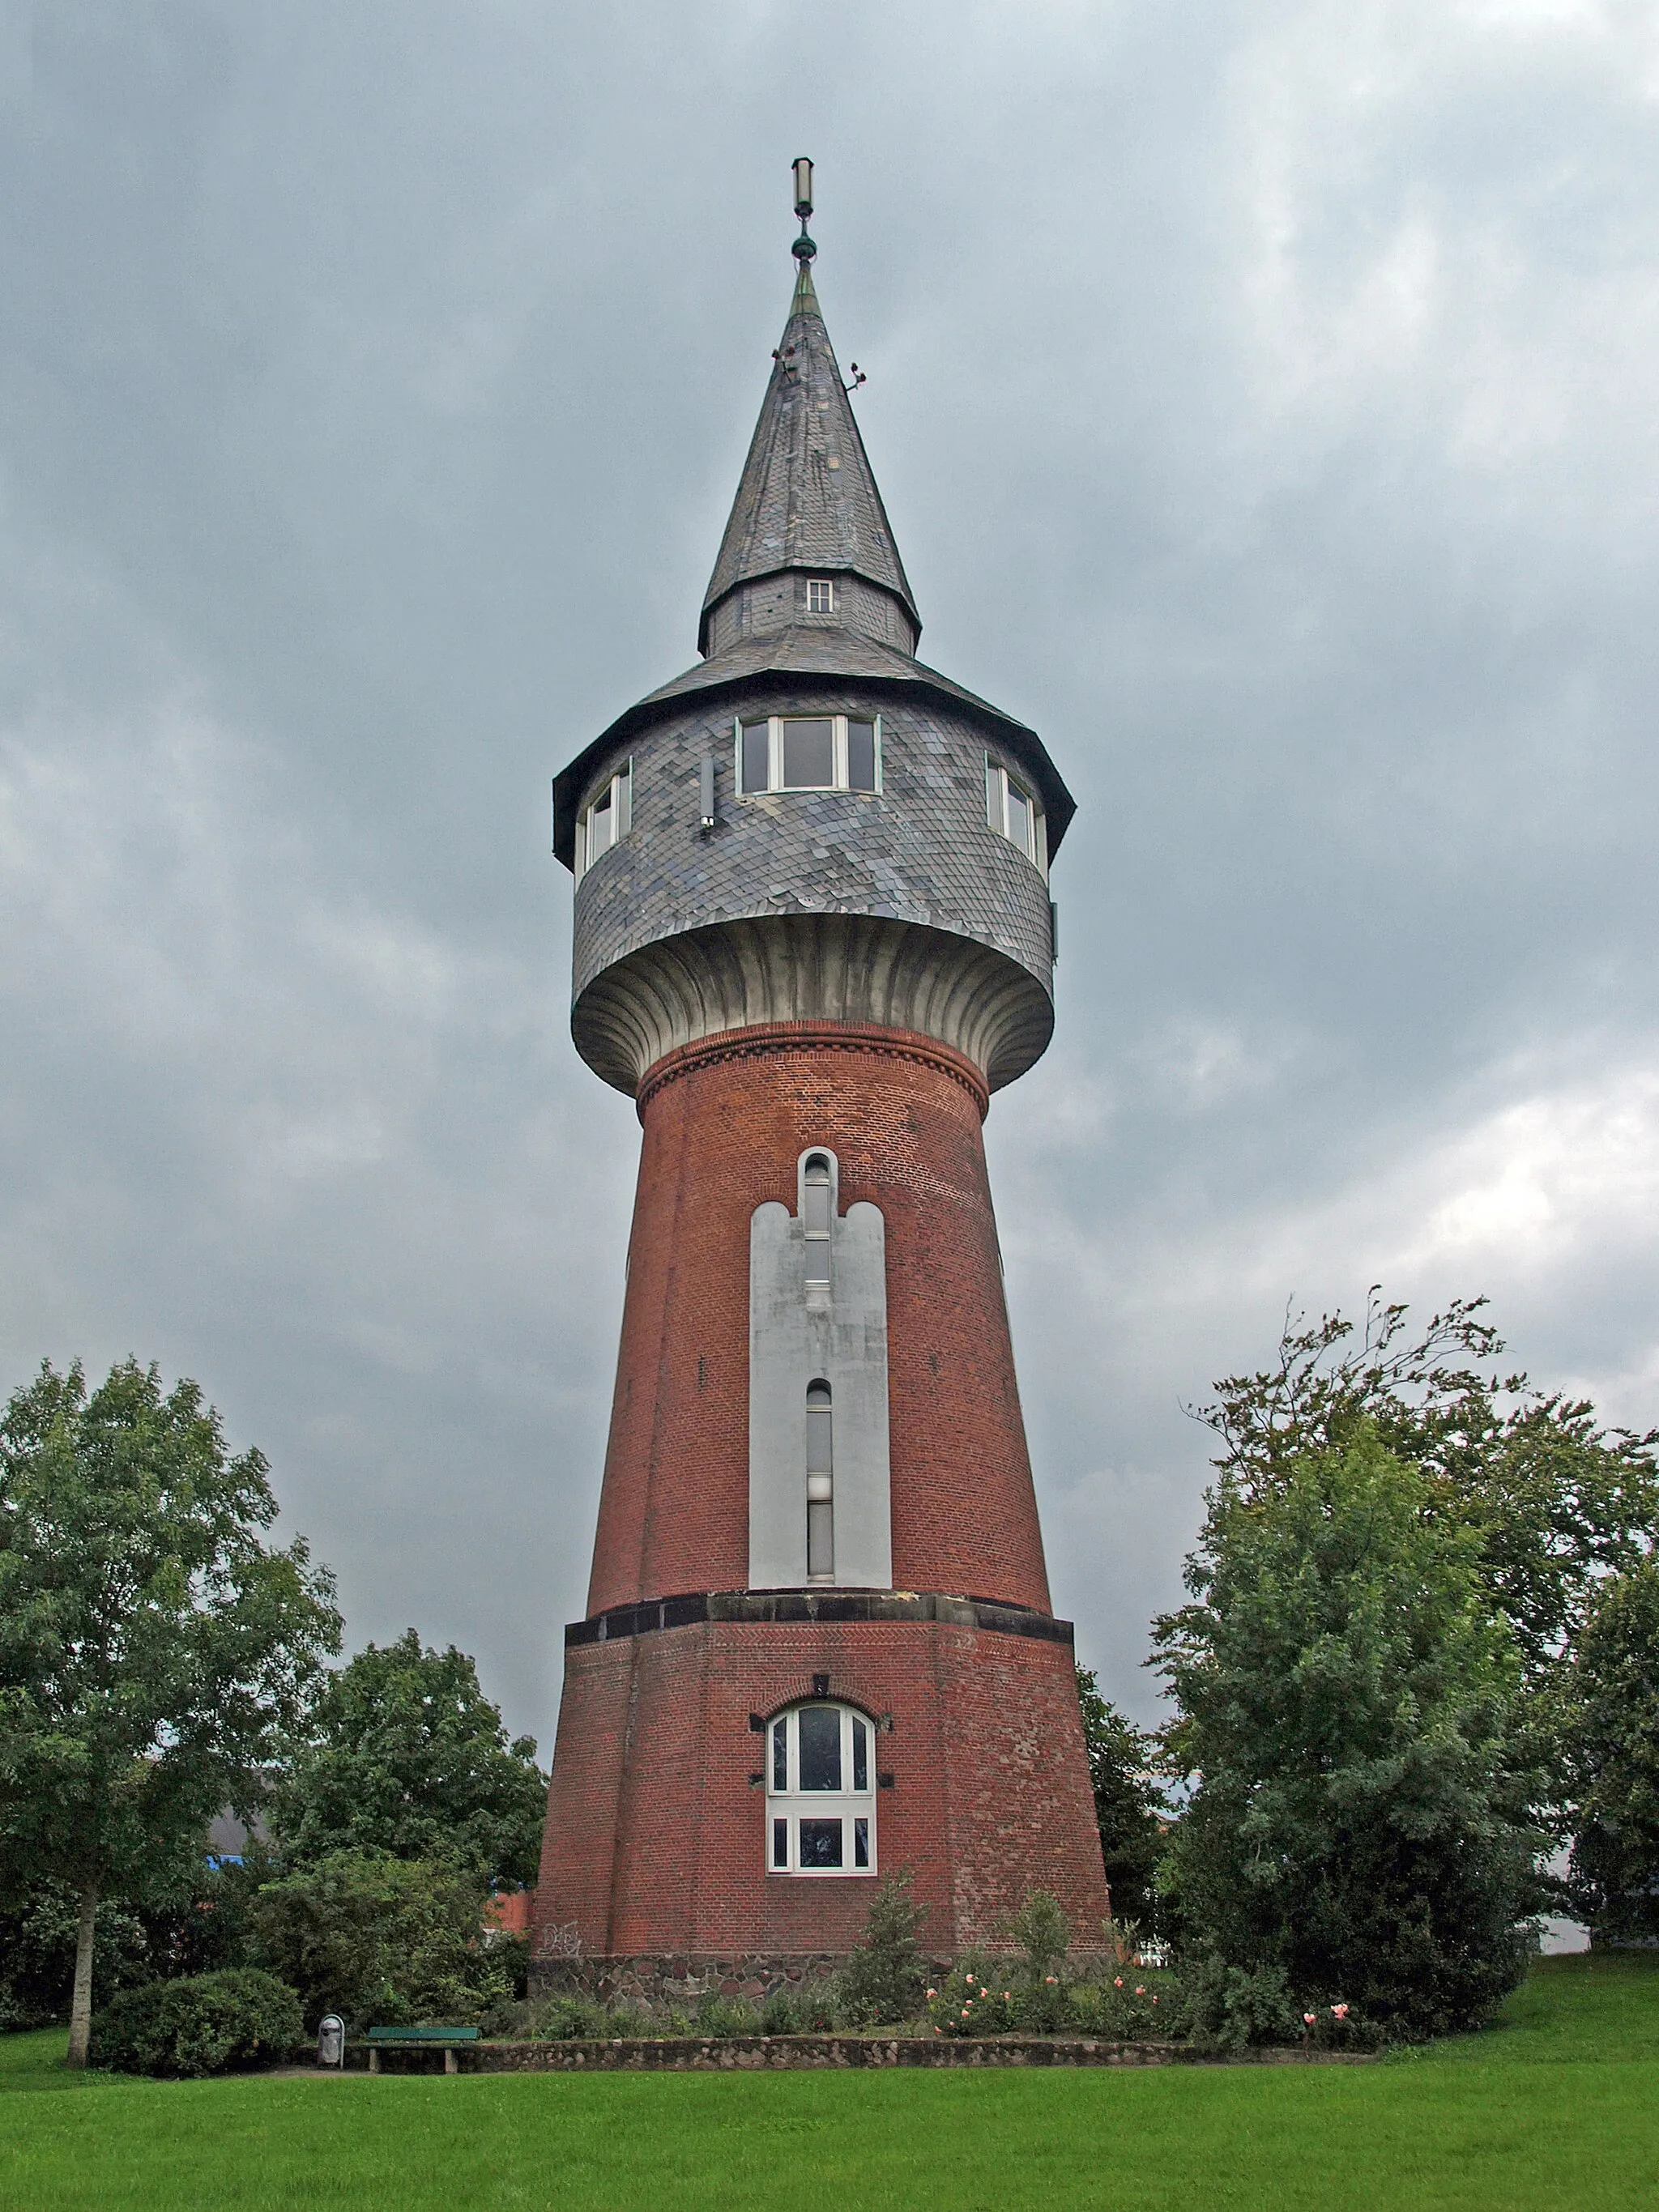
(809,752)
(1011,810)
(606,819)
(820,595)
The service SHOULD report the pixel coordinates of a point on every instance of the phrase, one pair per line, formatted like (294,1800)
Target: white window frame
(793,1804)
(620,787)
(827,585)
(775,754)
(1034,845)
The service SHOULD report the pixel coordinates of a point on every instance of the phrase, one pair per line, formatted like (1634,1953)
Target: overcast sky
(1264,400)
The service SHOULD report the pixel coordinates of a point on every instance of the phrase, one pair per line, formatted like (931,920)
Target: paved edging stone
(763,2053)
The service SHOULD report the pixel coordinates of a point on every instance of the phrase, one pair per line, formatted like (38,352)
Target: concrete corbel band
(843,969)
(766,1037)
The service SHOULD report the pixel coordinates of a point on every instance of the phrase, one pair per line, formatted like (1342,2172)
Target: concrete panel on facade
(798,1336)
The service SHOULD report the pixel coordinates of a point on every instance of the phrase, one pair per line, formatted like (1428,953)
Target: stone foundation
(657,1983)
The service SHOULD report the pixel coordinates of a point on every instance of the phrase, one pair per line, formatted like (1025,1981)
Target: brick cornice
(763,1038)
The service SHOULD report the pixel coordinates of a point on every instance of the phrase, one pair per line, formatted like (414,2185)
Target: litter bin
(330,2040)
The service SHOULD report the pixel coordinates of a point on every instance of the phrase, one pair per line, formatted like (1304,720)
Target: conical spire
(807,499)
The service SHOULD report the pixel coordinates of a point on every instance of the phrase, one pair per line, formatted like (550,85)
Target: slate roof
(807,498)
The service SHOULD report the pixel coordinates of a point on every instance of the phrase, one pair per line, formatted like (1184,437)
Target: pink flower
(1341,2011)
(1308,2017)
(933,1993)
(1117,1982)
(964,2012)
(1005,1998)
(1140,1989)
(1051,1978)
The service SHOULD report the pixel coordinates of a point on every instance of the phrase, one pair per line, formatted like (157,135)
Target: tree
(379,1938)
(1554,1500)
(1345,1698)
(405,1755)
(1613,1734)
(884,1978)
(1130,1807)
(153,1649)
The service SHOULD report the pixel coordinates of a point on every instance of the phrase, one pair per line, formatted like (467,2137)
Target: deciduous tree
(404,1755)
(154,1649)
(1346,1695)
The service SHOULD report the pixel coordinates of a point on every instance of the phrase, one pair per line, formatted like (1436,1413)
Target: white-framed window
(808,752)
(606,819)
(820,595)
(821,1791)
(1011,810)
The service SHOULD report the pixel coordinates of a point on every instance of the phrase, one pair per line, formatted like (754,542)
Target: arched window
(820,1484)
(821,1792)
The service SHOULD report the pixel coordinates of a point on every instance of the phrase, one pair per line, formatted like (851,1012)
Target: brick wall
(721,1138)
(989,1796)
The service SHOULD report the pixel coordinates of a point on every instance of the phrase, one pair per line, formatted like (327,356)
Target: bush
(718,2015)
(220,2023)
(884,1979)
(571,2016)
(971,1999)
(1130,2006)
(385,1940)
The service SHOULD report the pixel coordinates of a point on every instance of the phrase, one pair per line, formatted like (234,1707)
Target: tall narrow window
(606,819)
(818,1205)
(820,1487)
(755,739)
(860,755)
(1012,811)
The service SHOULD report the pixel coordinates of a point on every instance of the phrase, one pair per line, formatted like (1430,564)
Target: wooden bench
(446,2039)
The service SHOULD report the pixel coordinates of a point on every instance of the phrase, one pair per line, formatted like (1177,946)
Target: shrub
(1043,1933)
(1230,2007)
(571,2016)
(718,2015)
(884,1979)
(220,2023)
(382,1939)
(973,2000)
(1129,2006)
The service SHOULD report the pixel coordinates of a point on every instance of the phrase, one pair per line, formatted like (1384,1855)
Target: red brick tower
(814,935)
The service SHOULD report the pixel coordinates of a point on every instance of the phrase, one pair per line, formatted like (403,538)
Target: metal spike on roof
(807,498)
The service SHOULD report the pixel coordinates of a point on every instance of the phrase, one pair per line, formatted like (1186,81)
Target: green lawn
(1558,2107)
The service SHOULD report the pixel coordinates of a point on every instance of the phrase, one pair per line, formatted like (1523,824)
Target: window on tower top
(1012,811)
(820,595)
(606,819)
(808,752)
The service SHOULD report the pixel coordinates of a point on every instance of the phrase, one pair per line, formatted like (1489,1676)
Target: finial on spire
(803,249)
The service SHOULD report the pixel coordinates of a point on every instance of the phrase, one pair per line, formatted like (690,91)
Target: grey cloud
(1261,400)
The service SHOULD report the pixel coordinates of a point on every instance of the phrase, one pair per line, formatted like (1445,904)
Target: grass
(1556,2109)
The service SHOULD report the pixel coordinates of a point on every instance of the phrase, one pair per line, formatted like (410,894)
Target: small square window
(820,595)
(820,1844)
